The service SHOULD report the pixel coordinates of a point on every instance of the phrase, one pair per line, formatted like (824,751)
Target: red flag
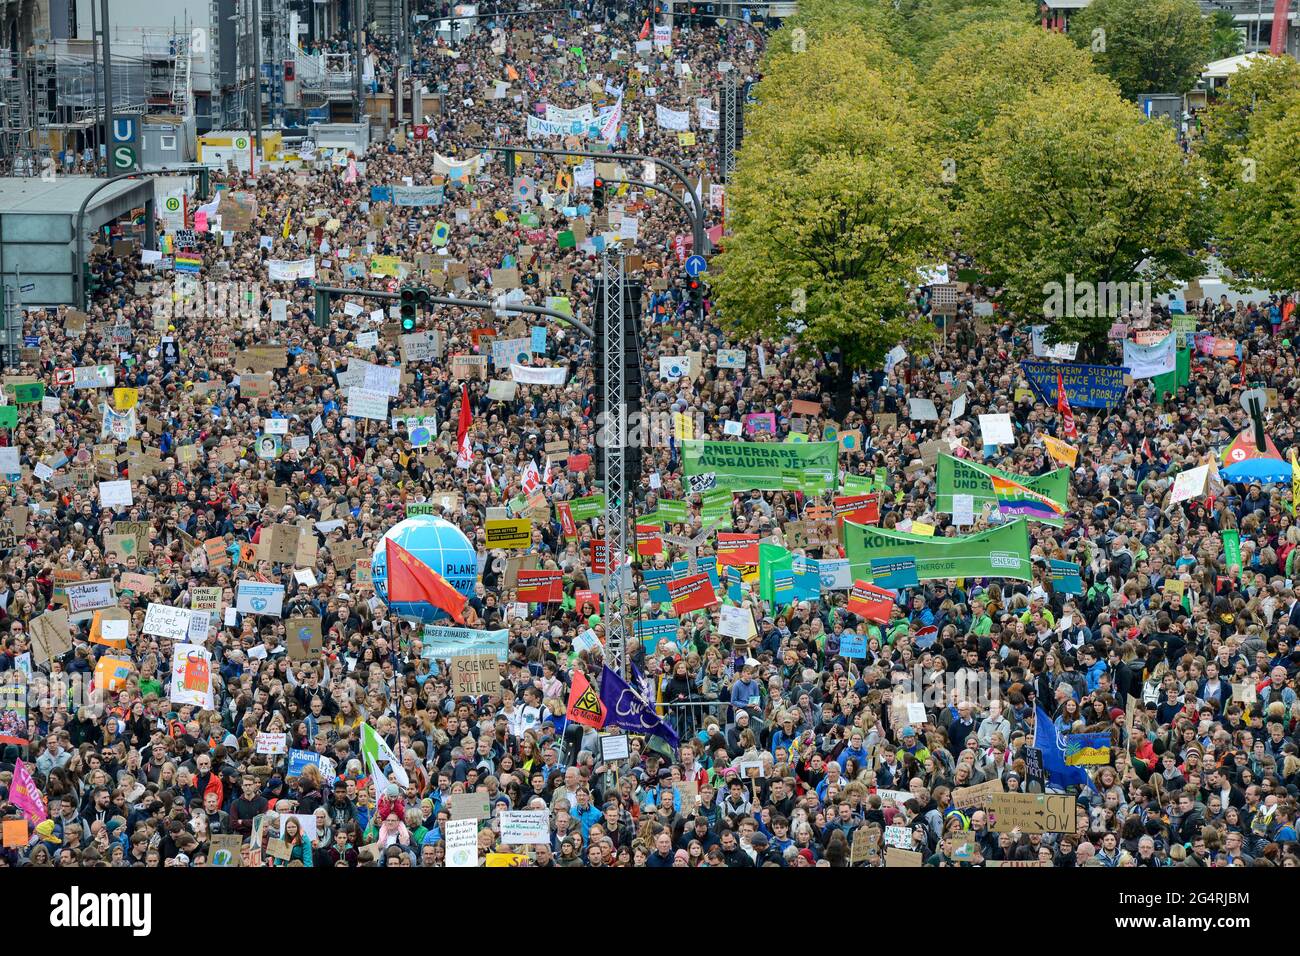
(464,451)
(584,703)
(645,29)
(410,579)
(1063,406)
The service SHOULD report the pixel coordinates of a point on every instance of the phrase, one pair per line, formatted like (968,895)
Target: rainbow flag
(188,263)
(1015,499)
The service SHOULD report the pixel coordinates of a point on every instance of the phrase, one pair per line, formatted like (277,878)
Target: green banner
(673,511)
(1001,552)
(715,503)
(583,509)
(857,484)
(1166,385)
(958,476)
(28,393)
(771,558)
(1232,549)
(811,467)
(8,416)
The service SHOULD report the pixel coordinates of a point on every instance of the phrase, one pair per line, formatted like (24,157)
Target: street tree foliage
(1145,46)
(1258,196)
(834,204)
(1251,101)
(1074,181)
(981,69)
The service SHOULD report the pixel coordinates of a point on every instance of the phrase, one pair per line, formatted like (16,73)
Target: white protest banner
(507,351)
(384,379)
(1061,351)
(419,346)
(255,597)
(735,622)
(461,838)
(731,358)
(191,680)
(94,376)
(1189,484)
(520,827)
(835,574)
(958,407)
(115,494)
(164,621)
(679,120)
(275,426)
(708,118)
(365,403)
(900,837)
(1148,361)
(85,597)
(272,743)
(586,115)
(963,510)
(367,340)
(996,429)
(285,270)
(528,375)
(922,410)
(500,391)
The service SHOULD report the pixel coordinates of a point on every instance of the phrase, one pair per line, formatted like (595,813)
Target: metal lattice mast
(730,109)
(615,431)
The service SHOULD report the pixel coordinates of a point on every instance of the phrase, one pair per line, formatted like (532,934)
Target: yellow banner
(124,399)
(385,265)
(509,533)
(1061,453)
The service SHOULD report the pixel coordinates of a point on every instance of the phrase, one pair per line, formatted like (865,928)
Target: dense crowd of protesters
(789,753)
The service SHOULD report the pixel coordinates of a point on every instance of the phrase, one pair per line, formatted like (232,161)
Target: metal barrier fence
(689,717)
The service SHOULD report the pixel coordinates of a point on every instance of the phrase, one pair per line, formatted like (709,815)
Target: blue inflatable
(440,545)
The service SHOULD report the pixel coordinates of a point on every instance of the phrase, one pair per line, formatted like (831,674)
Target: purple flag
(625,708)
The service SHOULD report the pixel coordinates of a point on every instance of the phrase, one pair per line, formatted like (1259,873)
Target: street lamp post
(697,220)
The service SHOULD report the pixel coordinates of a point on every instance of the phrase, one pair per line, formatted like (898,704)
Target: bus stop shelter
(38,223)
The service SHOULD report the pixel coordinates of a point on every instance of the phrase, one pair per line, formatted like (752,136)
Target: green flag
(1001,552)
(674,511)
(959,476)
(771,558)
(1232,549)
(375,748)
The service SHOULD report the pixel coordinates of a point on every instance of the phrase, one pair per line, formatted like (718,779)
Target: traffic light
(412,299)
(598,194)
(695,293)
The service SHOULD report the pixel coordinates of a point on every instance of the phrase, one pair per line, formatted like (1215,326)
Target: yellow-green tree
(925,25)
(1146,46)
(1074,182)
(834,204)
(1250,101)
(1258,199)
(980,70)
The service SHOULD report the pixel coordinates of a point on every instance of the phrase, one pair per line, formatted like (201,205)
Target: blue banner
(1065,577)
(894,573)
(381,193)
(1086,386)
(656,582)
(650,633)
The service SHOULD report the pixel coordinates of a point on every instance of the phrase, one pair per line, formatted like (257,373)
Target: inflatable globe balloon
(440,545)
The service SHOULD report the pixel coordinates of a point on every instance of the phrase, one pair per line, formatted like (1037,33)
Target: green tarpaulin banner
(590,507)
(1169,383)
(812,467)
(1001,552)
(674,511)
(1232,549)
(771,559)
(957,476)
